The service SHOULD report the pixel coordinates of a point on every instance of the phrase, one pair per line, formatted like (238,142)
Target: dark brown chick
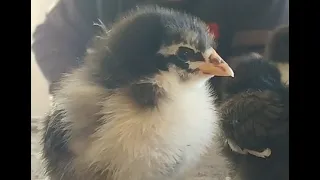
(255,116)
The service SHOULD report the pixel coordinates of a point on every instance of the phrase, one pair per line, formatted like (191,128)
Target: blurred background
(39,89)
(39,95)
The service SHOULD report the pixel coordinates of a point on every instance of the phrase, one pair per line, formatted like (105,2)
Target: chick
(140,107)
(278,51)
(255,122)
(255,117)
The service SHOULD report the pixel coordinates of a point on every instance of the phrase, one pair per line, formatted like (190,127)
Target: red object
(214,29)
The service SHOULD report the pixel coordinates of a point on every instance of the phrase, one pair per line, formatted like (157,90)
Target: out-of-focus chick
(278,51)
(140,107)
(255,116)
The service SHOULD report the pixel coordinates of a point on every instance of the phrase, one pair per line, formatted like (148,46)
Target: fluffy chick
(255,118)
(140,107)
(255,113)
(255,122)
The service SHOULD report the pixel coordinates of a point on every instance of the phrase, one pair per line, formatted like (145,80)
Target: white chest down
(162,143)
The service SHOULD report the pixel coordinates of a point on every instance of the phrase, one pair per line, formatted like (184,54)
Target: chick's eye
(185,53)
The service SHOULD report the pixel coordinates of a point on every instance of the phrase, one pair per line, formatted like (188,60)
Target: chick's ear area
(146,95)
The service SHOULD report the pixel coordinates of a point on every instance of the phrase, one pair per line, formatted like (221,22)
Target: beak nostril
(214,64)
(215,59)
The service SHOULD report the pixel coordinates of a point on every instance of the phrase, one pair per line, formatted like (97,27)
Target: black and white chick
(255,117)
(139,108)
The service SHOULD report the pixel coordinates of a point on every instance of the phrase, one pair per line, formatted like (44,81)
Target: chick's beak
(215,65)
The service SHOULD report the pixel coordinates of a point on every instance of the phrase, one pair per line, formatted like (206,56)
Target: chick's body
(256,118)
(137,109)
